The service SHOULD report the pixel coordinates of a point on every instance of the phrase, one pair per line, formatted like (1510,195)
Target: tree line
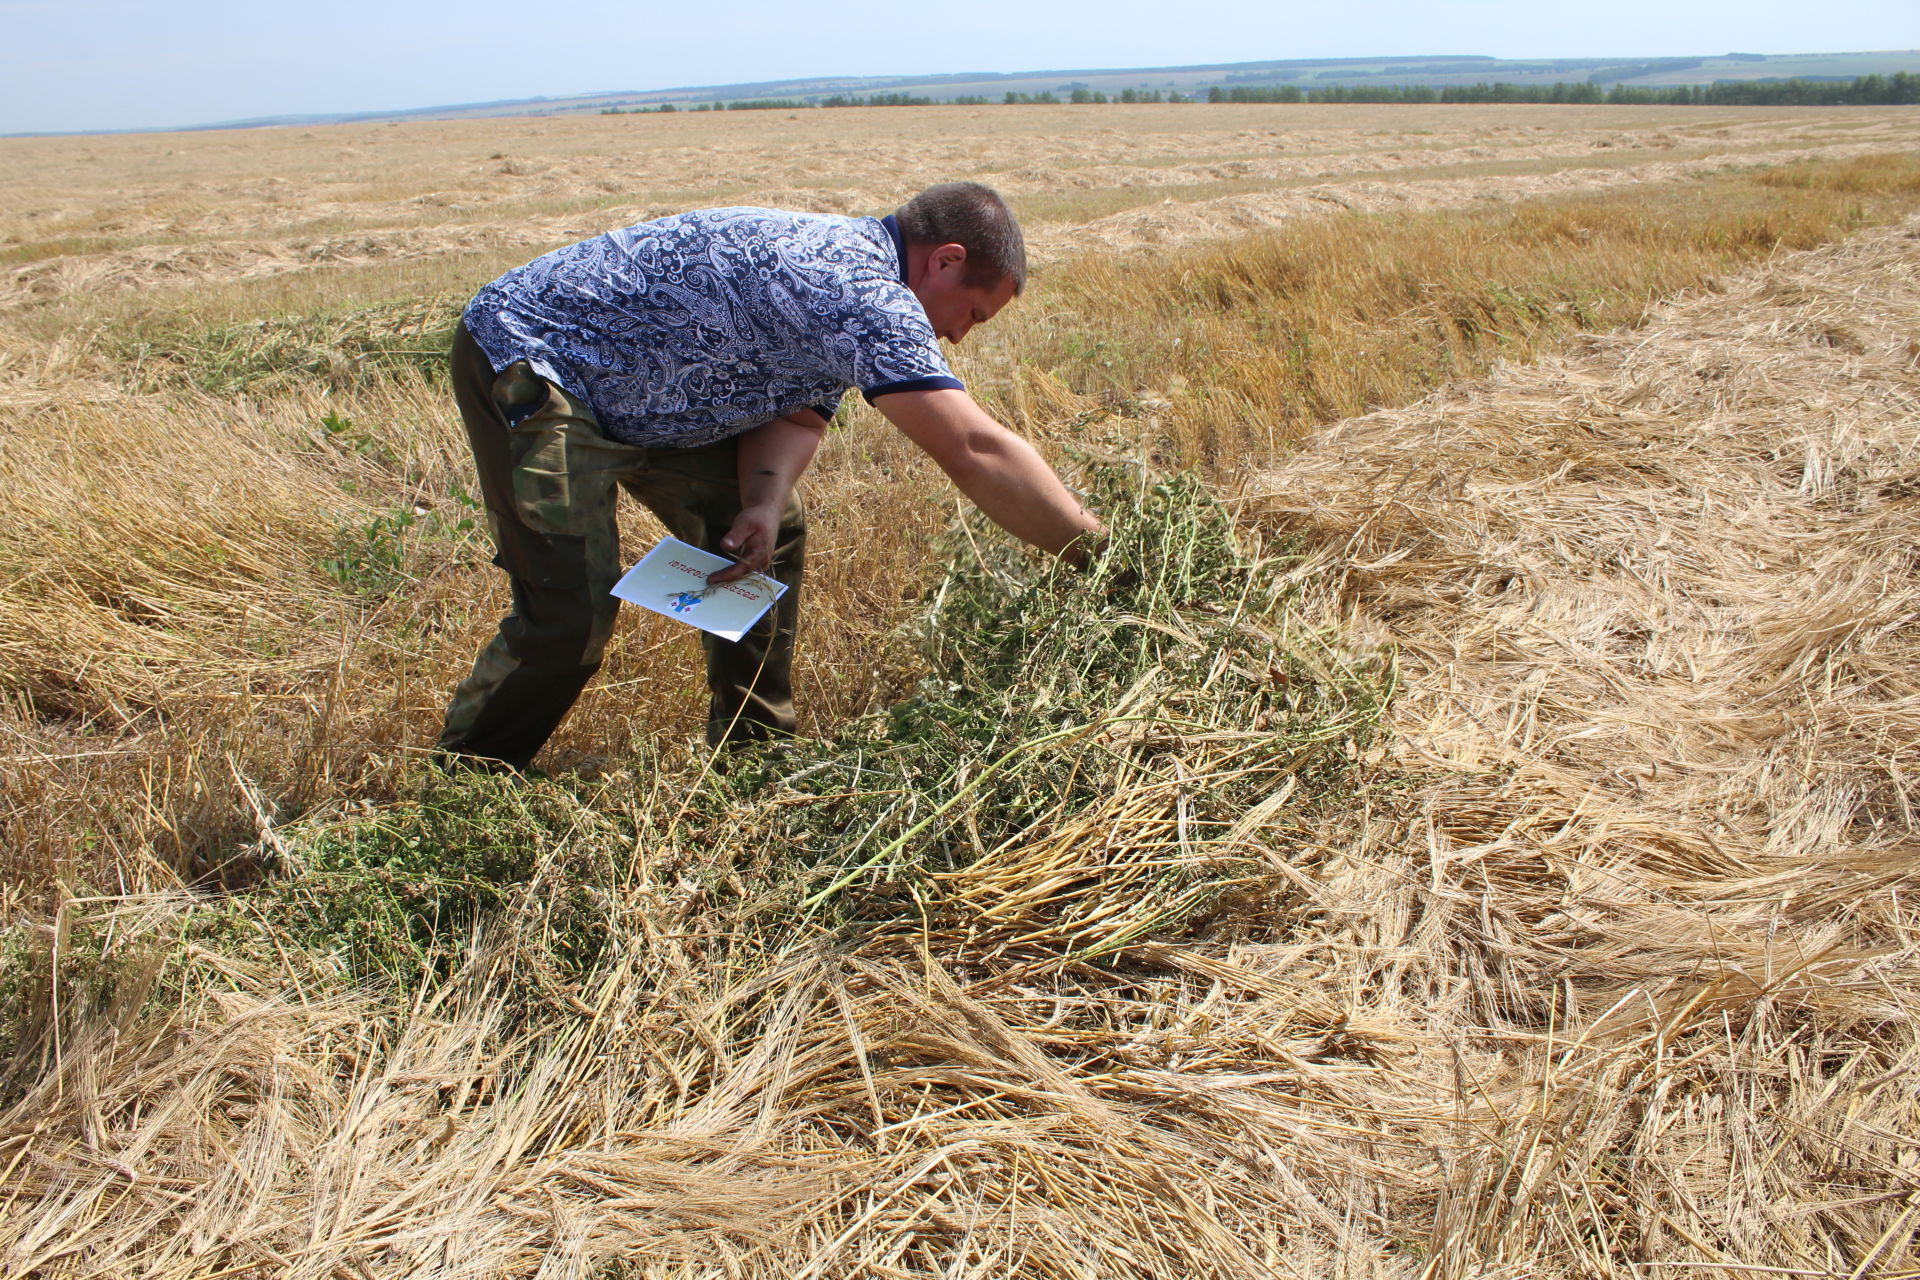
(1899,89)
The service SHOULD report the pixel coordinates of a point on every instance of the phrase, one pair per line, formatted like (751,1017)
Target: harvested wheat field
(110,215)
(1464,827)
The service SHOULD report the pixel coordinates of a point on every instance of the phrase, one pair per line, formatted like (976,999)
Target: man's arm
(1003,474)
(771,458)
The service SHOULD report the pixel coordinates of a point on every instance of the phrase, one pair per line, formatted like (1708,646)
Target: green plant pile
(1091,758)
(1091,755)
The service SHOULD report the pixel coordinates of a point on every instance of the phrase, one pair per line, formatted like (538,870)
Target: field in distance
(365,212)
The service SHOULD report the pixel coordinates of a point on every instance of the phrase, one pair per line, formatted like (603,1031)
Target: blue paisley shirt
(693,328)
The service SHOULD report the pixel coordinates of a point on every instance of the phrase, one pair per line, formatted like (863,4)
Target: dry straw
(1656,603)
(1618,983)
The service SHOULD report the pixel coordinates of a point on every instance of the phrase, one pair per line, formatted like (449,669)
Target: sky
(130,64)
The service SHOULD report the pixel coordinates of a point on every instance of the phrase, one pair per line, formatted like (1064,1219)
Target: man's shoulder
(751,223)
(819,269)
(835,262)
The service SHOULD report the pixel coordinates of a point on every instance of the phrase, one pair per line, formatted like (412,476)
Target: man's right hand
(751,540)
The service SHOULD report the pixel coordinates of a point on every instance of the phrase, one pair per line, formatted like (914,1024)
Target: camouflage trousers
(550,481)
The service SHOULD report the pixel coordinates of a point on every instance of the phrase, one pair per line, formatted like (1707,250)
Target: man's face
(952,305)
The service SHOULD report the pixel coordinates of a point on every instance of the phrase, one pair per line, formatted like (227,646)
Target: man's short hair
(978,220)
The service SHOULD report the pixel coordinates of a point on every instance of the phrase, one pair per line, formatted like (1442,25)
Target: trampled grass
(1133,927)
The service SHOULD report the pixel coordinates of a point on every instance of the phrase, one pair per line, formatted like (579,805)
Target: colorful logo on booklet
(685,600)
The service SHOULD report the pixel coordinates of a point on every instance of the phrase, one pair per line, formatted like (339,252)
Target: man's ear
(948,257)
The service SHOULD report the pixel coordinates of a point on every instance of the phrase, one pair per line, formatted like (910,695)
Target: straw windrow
(1656,602)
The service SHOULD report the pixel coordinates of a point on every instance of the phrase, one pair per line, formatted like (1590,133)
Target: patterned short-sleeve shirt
(693,328)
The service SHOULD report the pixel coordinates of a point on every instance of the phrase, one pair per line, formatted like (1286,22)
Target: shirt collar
(899,243)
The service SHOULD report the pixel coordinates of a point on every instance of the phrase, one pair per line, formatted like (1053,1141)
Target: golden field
(86,219)
(1483,847)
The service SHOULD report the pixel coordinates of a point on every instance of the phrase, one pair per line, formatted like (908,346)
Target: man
(695,361)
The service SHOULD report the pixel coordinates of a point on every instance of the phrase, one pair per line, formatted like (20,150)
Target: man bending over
(695,361)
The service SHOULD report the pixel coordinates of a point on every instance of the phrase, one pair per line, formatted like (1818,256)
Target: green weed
(374,559)
(99,959)
(407,888)
(1093,760)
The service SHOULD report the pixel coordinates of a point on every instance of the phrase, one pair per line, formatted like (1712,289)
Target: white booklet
(672,579)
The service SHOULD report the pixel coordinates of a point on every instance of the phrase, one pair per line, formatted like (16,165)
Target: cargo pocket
(562,485)
(518,391)
(536,450)
(543,490)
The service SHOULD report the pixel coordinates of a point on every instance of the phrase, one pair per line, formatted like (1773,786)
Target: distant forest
(1901,88)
